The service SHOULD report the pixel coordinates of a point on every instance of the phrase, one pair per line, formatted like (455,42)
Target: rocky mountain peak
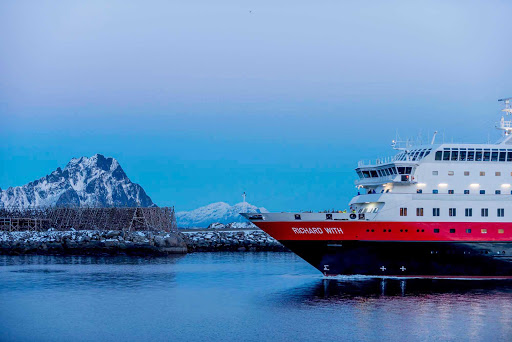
(85,181)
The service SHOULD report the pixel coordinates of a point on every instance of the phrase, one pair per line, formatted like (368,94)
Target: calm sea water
(236,296)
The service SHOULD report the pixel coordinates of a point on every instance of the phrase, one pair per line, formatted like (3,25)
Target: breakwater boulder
(245,240)
(92,242)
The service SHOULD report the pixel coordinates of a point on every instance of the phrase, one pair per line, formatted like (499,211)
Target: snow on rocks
(209,241)
(92,242)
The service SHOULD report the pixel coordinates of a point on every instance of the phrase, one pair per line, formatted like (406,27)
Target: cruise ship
(432,210)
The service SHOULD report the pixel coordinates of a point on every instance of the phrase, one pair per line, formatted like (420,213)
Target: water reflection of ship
(407,309)
(333,290)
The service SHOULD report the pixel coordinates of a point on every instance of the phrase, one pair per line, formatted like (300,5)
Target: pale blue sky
(201,100)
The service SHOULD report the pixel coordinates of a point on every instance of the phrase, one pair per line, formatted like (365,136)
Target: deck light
(474,185)
(443,185)
(505,185)
(421,184)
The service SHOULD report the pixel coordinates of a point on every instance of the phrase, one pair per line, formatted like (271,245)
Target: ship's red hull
(388,231)
(408,249)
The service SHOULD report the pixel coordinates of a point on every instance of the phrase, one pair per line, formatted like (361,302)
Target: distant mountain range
(95,181)
(219,212)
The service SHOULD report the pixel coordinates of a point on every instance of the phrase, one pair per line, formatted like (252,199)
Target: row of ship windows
(437,230)
(467,173)
(472,154)
(413,155)
(484,212)
(452,192)
(389,171)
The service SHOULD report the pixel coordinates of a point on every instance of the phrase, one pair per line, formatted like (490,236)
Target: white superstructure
(440,182)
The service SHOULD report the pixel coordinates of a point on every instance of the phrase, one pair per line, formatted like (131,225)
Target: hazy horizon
(202,101)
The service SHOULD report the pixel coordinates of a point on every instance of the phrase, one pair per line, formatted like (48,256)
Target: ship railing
(378,161)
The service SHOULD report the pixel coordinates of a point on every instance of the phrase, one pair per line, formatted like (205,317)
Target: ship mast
(505,125)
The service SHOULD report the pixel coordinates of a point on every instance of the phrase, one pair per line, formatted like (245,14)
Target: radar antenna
(433,138)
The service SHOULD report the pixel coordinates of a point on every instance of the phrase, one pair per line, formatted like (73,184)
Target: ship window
(435,191)
(482,173)
(497,173)
(468,212)
(436,230)
(401,170)
(468,230)
(366,174)
(435,173)
(482,192)
(419,211)
(485,212)
(471,155)
(462,155)
(374,173)
(497,192)
(487,155)
(403,211)
(328,216)
(494,156)
(455,155)
(435,211)
(452,212)
(478,155)
(419,191)
(483,231)
(440,153)
(503,156)
(501,212)
(466,173)
(297,216)
(375,209)
(446,155)
(452,230)
(466,192)
(408,170)
(501,231)
(451,173)
(451,192)
(509,155)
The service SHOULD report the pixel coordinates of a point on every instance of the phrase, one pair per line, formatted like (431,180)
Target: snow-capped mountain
(95,181)
(216,212)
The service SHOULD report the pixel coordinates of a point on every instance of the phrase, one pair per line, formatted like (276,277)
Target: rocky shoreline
(92,242)
(233,240)
(95,242)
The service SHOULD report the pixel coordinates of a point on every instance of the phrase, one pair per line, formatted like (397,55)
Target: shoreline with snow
(92,242)
(221,240)
(139,243)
